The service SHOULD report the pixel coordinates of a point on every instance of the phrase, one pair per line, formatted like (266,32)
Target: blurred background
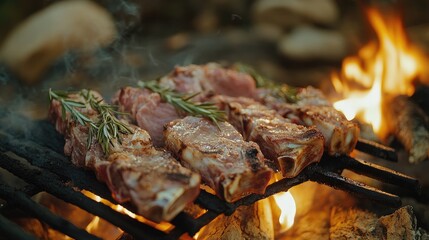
(106,44)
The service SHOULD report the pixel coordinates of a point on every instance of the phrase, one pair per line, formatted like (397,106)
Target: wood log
(354,223)
(312,226)
(410,125)
(420,97)
(402,224)
(247,222)
(350,223)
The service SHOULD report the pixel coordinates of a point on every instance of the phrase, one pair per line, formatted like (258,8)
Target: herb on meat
(183,102)
(261,82)
(70,106)
(283,91)
(286,92)
(104,129)
(107,127)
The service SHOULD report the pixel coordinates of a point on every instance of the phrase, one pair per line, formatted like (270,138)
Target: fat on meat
(147,110)
(232,167)
(292,147)
(312,108)
(208,80)
(133,169)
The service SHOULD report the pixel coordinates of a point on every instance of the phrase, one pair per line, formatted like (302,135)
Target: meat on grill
(209,79)
(313,109)
(292,147)
(133,169)
(232,167)
(147,110)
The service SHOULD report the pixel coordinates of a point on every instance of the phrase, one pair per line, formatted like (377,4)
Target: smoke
(4,76)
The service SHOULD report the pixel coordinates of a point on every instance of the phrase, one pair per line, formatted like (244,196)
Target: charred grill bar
(46,169)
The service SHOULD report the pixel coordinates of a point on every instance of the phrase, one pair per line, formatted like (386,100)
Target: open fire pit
(42,192)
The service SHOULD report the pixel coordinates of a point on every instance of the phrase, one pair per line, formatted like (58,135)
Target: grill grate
(45,168)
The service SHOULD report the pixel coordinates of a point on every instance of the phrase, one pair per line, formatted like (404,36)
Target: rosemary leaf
(261,82)
(104,129)
(282,91)
(183,102)
(70,106)
(107,124)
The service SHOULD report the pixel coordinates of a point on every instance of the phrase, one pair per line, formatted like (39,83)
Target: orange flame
(286,203)
(385,67)
(93,224)
(163,226)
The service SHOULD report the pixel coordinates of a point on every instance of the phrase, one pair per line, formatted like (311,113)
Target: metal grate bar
(42,213)
(45,158)
(200,222)
(339,182)
(53,185)
(377,150)
(381,173)
(28,190)
(12,231)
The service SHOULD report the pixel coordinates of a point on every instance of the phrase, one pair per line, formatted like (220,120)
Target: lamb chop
(292,147)
(132,168)
(232,167)
(312,108)
(209,79)
(147,110)
(206,134)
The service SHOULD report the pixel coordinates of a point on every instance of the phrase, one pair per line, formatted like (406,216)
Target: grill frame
(46,169)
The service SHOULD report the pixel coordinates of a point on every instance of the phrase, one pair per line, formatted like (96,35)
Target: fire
(286,203)
(92,226)
(382,68)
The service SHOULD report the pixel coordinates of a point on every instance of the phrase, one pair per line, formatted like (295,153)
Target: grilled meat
(147,110)
(340,134)
(292,147)
(210,79)
(313,109)
(133,169)
(229,165)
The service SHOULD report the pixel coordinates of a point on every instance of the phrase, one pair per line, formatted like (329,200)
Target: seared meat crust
(229,165)
(292,147)
(133,169)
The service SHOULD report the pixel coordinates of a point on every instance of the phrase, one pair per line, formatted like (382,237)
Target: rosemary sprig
(283,91)
(70,106)
(107,127)
(183,102)
(286,92)
(104,129)
(261,81)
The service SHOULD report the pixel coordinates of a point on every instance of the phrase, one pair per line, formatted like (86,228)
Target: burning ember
(383,68)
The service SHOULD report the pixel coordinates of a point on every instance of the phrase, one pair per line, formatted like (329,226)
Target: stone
(44,37)
(310,43)
(288,13)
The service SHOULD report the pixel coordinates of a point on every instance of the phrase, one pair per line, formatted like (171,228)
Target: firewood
(312,226)
(359,224)
(402,224)
(247,222)
(420,97)
(349,223)
(410,125)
